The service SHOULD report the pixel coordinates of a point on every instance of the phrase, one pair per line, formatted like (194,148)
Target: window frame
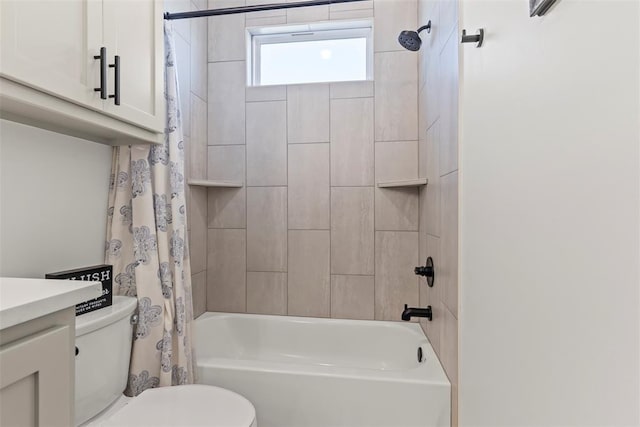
(339,30)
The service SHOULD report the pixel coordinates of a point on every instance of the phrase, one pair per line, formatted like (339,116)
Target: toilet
(103,347)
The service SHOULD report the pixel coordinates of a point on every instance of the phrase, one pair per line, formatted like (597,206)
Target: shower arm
(425,27)
(254,8)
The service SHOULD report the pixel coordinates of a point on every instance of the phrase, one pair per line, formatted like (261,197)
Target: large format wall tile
(199,292)
(309,191)
(428,10)
(396,89)
(432,191)
(341,90)
(227,207)
(226,270)
(308,113)
(307,14)
(352,232)
(182,26)
(199,58)
(226,103)
(265,14)
(351,14)
(226,163)
(449,241)
(449,346)
(267,229)
(396,161)
(431,296)
(294,192)
(199,4)
(352,150)
(432,88)
(254,20)
(183,63)
(397,209)
(197,223)
(391,17)
(198,142)
(309,280)
(448,18)
(358,5)
(266,93)
(267,293)
(226,33)
(266,143)
(395,282)
(448,101)
(438,72)
(352,297)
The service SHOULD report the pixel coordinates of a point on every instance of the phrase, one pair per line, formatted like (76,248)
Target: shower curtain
(147,246)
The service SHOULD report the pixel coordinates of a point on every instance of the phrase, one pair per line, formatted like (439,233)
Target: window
(322,52)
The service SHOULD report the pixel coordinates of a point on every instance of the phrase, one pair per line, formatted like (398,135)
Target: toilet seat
(186,406)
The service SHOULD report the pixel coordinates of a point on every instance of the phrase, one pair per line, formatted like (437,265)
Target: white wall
(549,203)
(53,201)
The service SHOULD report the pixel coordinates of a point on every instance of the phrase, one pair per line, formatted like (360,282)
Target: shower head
(410,40)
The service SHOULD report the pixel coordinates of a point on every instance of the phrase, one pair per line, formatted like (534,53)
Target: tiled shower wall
(310,234)
(438,142)
(190,37)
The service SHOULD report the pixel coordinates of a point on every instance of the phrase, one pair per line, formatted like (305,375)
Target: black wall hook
(476,38)
(427,271)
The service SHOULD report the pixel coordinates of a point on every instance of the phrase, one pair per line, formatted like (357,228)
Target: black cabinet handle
(103,73)
(116,66)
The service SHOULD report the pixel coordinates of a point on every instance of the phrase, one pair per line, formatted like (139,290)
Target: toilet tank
(103,348)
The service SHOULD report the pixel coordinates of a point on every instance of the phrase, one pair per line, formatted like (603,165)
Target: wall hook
(476,38)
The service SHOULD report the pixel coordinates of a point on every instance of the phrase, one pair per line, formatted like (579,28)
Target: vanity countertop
(22,300)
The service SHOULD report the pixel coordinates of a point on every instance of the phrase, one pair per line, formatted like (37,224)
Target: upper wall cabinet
(52,74)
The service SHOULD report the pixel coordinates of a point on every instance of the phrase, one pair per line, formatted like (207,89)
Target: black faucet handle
(427,271)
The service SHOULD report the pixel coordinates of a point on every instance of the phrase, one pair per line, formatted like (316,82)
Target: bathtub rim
(413,327)
(435,374)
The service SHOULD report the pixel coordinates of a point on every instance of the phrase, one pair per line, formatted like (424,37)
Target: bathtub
(307,372)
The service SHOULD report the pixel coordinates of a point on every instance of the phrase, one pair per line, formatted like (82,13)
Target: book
(97,273)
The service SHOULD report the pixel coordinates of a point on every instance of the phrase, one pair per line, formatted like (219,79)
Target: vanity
(37,342)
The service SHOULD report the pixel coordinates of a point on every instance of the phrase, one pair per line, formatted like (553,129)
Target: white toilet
(103,346)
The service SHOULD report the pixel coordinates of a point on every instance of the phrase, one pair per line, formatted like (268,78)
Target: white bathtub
(307,372)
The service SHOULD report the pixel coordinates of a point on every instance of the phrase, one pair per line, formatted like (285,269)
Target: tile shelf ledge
(418,182)
(220,184)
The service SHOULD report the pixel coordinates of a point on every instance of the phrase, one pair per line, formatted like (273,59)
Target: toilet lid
(187,405)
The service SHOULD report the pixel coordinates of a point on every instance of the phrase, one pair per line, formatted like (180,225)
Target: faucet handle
(427,271)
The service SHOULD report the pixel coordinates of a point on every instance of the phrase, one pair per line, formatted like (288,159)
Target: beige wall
(438,136)
(191,57)
(310,234)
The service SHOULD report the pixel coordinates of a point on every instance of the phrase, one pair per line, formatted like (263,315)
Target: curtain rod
(255,8)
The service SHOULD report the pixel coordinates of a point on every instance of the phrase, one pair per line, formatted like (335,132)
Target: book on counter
(97,273)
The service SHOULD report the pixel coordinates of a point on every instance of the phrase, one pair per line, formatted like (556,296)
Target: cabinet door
(36,386)
(50,45)
(134,31)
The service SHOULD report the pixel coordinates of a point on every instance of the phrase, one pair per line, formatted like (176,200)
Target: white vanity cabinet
(49,72)
(37,342)
(36,386)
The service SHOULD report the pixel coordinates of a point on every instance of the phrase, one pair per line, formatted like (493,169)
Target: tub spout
(410,312)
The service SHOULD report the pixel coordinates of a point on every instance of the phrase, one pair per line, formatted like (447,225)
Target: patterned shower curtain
(147,246)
